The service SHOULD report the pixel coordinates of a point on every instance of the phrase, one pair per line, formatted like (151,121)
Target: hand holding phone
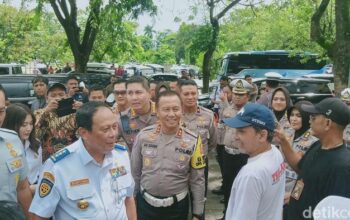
(65,107)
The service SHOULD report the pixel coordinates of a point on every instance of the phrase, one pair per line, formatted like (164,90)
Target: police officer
(13,166)
(345,97)
(197,118)
(142,111)
(233,159)
(167,161)
(91,178)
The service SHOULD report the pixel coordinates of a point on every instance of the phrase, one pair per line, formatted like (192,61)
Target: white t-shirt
(258,190)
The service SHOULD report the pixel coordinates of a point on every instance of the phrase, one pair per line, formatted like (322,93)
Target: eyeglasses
(123,92)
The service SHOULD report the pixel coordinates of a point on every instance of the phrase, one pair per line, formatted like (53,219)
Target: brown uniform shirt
(130,124)
(228,112)
(202,123)
(165,166)
(54,132)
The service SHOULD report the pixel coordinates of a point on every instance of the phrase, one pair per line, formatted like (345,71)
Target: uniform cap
(55,86)
(240,86)
(273,75)
(332,108)
(252,114)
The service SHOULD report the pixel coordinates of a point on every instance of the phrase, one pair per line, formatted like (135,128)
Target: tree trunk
(207,60)
(341,52)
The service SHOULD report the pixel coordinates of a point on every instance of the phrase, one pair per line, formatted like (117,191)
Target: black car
(309,89)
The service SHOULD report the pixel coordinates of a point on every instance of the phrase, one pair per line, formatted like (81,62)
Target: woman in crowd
(302,140)
(280,103)
(19,118)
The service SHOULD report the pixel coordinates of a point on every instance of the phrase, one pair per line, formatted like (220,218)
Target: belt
(165,202)
(232,151)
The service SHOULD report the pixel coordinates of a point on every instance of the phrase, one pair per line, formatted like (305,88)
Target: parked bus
(235,62)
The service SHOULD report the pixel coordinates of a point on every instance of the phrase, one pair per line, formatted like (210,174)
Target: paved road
(213,206)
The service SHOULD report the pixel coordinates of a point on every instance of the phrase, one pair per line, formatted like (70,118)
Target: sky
(167,11)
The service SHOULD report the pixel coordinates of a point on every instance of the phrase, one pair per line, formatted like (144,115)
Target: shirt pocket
(83,201)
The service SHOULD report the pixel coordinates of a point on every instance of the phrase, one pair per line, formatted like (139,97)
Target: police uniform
(300,144)
(130,123)
(74,186)
(233,159)
(287,128)
(165,167)
(13,165)
(202,124)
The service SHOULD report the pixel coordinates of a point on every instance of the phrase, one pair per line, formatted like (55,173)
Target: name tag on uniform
(117,172)
(79,182)
(14,164)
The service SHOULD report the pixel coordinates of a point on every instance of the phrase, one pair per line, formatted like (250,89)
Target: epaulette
(206,110)
(190,132)
(120,147)
(149,128)
(59,155)
(153,108)
(8,131)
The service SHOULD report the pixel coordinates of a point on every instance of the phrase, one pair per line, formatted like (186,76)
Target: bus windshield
(235,62)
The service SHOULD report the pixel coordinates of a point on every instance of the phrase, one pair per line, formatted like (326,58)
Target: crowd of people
(72,156)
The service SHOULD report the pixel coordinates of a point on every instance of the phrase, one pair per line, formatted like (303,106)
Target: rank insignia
(83,204)
(46,184)
(118,171)
(14,164)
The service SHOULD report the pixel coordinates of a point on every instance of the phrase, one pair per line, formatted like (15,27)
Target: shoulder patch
(206,110)
(60,155)
(120,147)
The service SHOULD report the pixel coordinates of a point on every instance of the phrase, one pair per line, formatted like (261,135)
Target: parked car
(161,77)
(10,69)
(310,89)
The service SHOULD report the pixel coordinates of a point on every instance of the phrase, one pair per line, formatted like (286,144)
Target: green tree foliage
(81,39)
(14,26)
(191,41)
(280,25)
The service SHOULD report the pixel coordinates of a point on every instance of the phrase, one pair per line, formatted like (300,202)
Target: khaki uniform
(13,165)
(166,165)
(221,126)
(54,132)
(202,123)
(229,140)
(287,128)
(130,124)
(301,144)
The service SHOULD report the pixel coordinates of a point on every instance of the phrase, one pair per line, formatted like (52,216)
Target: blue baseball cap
(252,114)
